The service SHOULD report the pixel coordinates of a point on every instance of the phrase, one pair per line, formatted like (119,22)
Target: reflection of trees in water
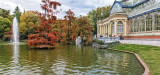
(43,60)
(10,58)
(70,59)
(119,62)
(62,59)
(6,54)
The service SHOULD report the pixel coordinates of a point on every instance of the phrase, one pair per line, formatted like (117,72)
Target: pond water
(18,59)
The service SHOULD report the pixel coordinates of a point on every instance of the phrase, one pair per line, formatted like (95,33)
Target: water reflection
(66,60)
(15,57)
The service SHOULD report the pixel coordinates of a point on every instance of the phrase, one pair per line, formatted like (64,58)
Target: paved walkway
(141,42)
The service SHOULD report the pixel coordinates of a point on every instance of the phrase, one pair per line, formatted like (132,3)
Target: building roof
(126,6)
(147,10)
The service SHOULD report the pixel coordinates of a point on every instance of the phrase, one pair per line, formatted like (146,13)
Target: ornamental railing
(108,39)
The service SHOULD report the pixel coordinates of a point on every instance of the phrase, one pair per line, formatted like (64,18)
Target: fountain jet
(15,31)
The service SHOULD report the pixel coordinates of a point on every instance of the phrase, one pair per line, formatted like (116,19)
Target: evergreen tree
(17,13)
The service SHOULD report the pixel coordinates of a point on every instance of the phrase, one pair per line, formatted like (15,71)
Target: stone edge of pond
(146,69)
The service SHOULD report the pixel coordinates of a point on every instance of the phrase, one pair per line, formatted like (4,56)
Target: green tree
(6,14)
(98,14)
(10,17)
(28,20)
(17,13)
(5,25)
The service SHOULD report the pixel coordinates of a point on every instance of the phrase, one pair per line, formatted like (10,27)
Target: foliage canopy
(27,24)
(44,36)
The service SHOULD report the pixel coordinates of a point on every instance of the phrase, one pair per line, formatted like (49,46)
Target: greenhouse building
(133,19)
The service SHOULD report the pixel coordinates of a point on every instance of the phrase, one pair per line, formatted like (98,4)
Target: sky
(79,7)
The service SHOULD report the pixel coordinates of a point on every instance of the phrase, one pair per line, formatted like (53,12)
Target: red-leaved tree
(8,35)
(69,28)
(45,36)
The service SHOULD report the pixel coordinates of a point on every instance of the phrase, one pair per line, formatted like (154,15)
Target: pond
(19,59)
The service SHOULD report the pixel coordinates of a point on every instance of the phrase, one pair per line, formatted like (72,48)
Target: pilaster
(115,27)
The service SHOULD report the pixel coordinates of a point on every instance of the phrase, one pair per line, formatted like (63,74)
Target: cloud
(79,7)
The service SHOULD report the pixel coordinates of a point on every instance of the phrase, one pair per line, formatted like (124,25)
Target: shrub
(98,41)
(110,45)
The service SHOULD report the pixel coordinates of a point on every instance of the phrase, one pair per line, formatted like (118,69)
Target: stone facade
(134,19)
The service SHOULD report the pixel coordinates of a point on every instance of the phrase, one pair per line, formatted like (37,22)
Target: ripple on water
(65,60)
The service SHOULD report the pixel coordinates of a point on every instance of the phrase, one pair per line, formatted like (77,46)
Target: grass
(149,54)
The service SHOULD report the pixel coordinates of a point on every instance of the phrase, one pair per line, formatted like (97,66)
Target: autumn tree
(69,28)
(72,27)
(85,29)
(8,34)
(28,21)
(58,27)
(63,32)
(45,37)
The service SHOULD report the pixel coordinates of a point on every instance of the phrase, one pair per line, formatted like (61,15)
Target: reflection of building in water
(134,19)
(125,60)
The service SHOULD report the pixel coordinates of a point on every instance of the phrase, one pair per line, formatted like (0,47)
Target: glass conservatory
(133,19)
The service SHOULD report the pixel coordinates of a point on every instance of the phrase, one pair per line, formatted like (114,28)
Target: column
(111,28)
(115,27)
(100,30)
(97,29)
(125,27)
(105,30)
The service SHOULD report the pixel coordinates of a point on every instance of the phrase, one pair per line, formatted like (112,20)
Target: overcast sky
(79,7)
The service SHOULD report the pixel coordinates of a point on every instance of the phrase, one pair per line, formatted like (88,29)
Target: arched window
(157,21)
(112,24)
(149,23)
(120,27)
